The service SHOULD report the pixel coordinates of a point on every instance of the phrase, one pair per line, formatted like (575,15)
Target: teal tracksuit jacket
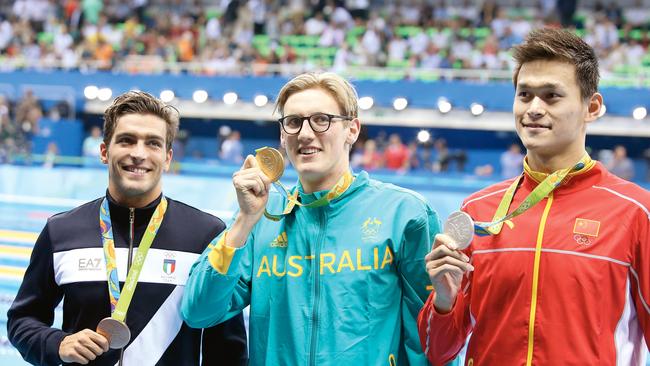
(340,284)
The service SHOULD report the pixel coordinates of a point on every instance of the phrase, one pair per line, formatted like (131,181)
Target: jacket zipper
(131,234)
(314,315)
(536,265)
(129,258)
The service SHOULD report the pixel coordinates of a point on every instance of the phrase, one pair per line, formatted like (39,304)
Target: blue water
(25,218)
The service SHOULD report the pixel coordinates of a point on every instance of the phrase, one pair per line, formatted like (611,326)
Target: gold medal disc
(271,162)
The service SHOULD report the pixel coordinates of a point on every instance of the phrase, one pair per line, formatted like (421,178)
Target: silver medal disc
(460,227)
(117,332)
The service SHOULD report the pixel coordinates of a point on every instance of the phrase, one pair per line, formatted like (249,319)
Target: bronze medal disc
(117,332)
(271,162)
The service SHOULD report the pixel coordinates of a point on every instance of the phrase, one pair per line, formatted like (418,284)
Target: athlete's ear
(594,107)
(353,132)
(103,153)
(168,159)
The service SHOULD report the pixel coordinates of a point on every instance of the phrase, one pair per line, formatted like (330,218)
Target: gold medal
(271,162)
(116,332)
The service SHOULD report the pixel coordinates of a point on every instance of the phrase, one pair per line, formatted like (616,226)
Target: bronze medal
(117,332)
(271,162)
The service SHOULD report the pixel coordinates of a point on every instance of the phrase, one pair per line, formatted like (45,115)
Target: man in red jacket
(567,282)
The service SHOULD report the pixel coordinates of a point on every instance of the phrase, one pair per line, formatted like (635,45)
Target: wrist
(245,222)
(241,228)
(443,304)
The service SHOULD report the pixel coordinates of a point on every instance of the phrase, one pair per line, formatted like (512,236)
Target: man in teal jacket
(339,279)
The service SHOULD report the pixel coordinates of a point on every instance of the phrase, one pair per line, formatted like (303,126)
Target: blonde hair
(339,88)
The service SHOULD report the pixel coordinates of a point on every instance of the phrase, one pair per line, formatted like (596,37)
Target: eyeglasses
(319,122)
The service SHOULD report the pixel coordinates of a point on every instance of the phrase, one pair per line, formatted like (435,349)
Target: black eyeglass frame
(311,123)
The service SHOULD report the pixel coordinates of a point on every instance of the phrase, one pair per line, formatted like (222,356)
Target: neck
(323,184)
(138,201)
(549,164)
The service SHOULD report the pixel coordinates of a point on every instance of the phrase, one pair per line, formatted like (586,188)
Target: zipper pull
(129,260)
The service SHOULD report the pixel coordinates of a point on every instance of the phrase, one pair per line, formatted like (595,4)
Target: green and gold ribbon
(293,198)
(120,301)
(548,183)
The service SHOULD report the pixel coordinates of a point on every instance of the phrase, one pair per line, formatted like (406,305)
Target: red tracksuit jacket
(568,284)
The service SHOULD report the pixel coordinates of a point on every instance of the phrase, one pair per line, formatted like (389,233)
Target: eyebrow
(147,137)
(548,85)
(306,114)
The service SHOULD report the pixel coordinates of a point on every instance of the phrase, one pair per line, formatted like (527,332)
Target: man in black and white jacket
(68,261)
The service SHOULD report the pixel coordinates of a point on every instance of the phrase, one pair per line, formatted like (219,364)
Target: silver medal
(460,227)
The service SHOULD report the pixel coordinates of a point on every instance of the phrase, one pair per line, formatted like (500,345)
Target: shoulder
(73,229)
(392,191)
(403,204)
(187,228)
(621,192)
(83,212)
(493,192)
(192,216)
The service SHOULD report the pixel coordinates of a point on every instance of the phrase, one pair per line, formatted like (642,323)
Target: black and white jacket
(68,263)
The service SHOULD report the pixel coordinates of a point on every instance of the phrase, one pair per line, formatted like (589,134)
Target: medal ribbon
(339,188)
(120,301)
(543,189)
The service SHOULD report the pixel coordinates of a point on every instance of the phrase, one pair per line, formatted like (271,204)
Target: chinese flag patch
(586,227)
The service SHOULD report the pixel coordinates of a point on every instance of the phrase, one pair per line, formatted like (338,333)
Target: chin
(532,143)
(132,190)
(310,174)
(307,168)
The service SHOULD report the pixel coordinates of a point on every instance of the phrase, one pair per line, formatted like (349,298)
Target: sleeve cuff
(436,313)
(53,344)
(221,256)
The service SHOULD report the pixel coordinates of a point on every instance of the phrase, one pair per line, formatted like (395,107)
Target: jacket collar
(586,161)
(121,213)
(586,177)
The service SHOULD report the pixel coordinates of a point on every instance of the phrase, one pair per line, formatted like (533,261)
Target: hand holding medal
(272,165)
(116,332)
(446,264)
(251,184)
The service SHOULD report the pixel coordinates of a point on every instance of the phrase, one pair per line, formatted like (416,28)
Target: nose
(536,109)
(138,152)
(306,132)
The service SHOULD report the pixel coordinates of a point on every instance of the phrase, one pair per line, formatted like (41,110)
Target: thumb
(446,240)
(250,162)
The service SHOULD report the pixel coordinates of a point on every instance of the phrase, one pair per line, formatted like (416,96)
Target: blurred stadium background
(433,78)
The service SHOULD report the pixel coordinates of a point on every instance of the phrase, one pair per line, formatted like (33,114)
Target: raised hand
(446,267)
(252,188)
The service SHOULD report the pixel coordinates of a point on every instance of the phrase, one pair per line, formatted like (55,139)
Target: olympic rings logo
(582,239)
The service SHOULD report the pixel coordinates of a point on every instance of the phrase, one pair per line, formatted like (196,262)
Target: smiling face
(319,158)
(550,114)
(136,157)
